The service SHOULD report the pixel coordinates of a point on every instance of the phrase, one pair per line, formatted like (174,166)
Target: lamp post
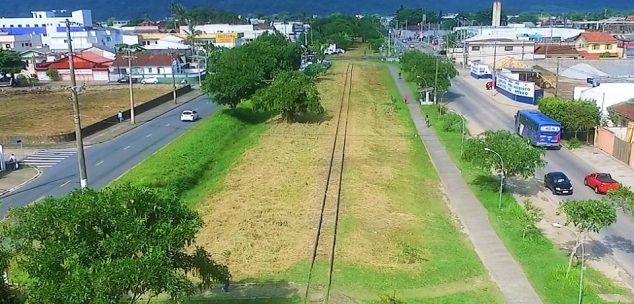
(462,134)
(501,175)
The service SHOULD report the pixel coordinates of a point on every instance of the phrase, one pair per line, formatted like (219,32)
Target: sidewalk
(12,180)
(504,270)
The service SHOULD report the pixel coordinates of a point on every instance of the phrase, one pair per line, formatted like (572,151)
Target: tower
(497,13)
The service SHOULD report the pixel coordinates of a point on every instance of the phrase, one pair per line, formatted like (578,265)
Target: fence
(610,143)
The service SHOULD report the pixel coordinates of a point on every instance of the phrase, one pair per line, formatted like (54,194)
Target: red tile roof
(630,18)
(625,109)
(79,62)
(597,37)
(145,60)
(94,57)
(590,56)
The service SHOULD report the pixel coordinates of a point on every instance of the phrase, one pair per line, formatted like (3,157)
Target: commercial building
(492,50)
(522,32)
(612,25)
(20,43)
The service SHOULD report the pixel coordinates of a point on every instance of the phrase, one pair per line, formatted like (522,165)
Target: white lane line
(99,163)
(126,148)
(64,184)
(167,125)
(149,135)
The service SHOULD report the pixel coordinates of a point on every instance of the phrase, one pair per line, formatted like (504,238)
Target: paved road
(616,240)
(109,160)
(504,270)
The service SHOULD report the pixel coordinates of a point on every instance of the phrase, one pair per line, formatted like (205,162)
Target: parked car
(411,46)
(558,183)
(150,80)
(189,115)
(601,182)
(126,79)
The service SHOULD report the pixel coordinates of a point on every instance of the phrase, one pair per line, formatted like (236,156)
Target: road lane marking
(126,148)
(149,135)
(99,163)
(167,125)
(64,184)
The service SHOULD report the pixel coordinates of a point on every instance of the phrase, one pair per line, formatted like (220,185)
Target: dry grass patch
(263,218)
(50,113)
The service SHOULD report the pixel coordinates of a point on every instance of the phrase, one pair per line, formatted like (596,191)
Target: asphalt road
(107,161)
(616,240)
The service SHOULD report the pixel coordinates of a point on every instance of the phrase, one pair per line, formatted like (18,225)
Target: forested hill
(103,9)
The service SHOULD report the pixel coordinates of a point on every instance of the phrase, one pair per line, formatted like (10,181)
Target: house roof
(145,60)
(152,36)
(555,49)
(94,57)
(590,56)
(597,37)
(79,62)
(625,109)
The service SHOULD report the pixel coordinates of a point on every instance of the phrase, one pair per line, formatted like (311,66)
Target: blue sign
(17,141)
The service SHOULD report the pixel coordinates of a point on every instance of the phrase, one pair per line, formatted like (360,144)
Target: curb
(39,172)
(140,124)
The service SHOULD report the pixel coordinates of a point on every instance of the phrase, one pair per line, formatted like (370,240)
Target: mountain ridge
(102,9)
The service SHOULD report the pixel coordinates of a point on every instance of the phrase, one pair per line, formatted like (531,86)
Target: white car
(189,115)
(151,80)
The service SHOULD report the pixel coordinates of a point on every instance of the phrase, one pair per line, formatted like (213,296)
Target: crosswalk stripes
(48,158)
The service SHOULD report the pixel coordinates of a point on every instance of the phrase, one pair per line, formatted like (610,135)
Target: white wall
(20,43)
(606,94)
(48,18)
(82,40)
(220,28)
(487,52)
(513,32)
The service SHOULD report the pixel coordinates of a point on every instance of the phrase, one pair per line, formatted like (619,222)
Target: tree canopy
(10,62)
(236,74)
(293,94)
(414,16)
(574,115)
(181,15)
(421,69)
(343,30)
(99,247)
(519,158)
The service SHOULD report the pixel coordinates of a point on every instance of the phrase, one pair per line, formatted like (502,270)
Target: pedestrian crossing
(48,158)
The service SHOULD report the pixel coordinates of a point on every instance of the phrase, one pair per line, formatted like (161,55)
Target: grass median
(544,263)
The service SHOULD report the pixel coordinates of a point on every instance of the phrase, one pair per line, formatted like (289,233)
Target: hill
(103,9)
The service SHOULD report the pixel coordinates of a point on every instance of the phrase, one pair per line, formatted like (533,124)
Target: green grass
(543,263)
(203,154)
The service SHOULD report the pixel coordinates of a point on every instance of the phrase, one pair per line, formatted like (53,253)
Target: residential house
(147,65)
(88,67)
(162,41)
(558,51)
(621,114)
(102,51)
(492,50)
(35,57)
(20,43)
(596,45)
(606,94)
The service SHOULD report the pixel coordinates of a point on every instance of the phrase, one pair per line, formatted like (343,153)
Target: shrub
(53,74)
(574,143)
(24,81)
(451,122)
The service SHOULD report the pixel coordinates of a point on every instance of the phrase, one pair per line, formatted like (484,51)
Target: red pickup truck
(601,182)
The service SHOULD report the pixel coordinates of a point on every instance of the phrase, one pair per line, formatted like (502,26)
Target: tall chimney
(497,13)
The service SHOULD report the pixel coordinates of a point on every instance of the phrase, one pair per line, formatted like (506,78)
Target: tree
(622,198)
(293,94)
(587,216)
(519,158)
(10,63)
(574,115)
(532,216)
(99,247)
(414,16)
(53,74)
(421,68)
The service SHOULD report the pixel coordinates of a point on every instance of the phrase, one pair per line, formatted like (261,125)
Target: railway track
(325,243)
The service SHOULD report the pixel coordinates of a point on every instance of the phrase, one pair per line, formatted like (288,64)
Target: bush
(53,74)
(451,122)
(314,70)
(574,143)
(24,81)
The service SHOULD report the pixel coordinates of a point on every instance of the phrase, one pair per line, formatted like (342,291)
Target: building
(160,41)
(622,113)
(94,69)
(612,25)
(606,94)
(488,51)
(292,30)
(104,52)
(596,45)
(521,32)
(45,22)
(35,57)
(557,51)
(510,84)
(147,65)
(20,43)
(497,13)
(83,38)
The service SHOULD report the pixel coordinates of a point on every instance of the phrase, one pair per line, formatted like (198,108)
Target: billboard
(225,38)
(515,87)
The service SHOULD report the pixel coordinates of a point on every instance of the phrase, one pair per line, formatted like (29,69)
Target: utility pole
(174,83)
(83,178)
(495,54)
(557,79)
(436,82)
(129,55)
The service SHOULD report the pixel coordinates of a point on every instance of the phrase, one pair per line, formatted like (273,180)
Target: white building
(45,22)
(606,94)
(488,51)
(161,41)
(84,38)
(20,43)
(522,32)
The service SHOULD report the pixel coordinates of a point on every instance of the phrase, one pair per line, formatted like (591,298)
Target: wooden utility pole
(130,55)
(83,178)
(436,82)
(557,79)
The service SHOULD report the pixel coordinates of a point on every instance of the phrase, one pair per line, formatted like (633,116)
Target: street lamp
(501,175)
(462,137)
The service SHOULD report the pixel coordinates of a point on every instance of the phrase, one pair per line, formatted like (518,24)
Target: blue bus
(539,129)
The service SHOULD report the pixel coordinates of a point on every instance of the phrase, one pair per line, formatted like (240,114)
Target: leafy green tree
(587,216)
(293,94)
(100,247)
(414,16)
(622,198)
(421,68)
(532,216)
(519,158)
(10,63)
(53,74)
(574,115)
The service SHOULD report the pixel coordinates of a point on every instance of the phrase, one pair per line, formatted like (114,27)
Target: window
(19,25)
(595,47)
(149,70)
(475,48)
(608,46)
(508,48)
(108,39)
(7,46)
